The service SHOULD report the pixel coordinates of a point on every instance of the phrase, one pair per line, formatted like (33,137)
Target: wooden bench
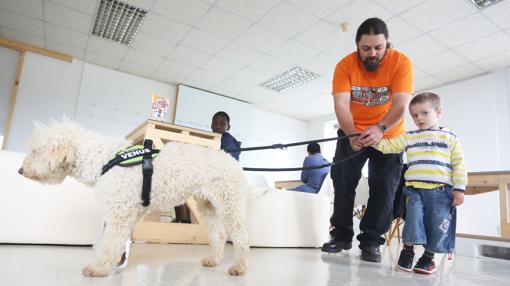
(154,227)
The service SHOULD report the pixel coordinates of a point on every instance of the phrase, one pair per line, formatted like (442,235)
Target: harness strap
(147,171)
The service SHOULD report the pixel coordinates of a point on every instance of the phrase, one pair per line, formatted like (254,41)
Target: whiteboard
(195,108)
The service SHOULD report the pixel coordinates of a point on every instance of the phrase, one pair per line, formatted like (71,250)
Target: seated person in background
(313,178)
(221,124)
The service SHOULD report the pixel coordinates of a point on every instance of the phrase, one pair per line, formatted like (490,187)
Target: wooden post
(12,99)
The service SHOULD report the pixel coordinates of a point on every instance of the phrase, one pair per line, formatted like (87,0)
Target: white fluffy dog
(181,170)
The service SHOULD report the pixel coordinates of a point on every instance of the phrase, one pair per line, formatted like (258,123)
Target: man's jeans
(304,189)
(383,178)
(430,219)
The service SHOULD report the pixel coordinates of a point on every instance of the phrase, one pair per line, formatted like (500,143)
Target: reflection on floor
(172,264)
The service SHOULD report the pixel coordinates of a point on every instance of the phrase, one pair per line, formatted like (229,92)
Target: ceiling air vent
(292,78)
(484,3)
(118,21)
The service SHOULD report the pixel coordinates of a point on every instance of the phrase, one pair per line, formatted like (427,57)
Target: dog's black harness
(134,155)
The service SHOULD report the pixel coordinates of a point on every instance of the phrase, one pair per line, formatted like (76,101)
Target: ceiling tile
(106,48)
(270,66)
(249,9)
(257,94)
(498,14)
(358,11)
(23,37)
(251,76)
(223,23)
(427,82)
(30,8)
(400,31)
(221,66)
(204,41)
(324,63)
(168,77)
(439,62)
(320,8)
(234,86)
(101,60)
(143,59)
(174,68)
(68,18)
(173,32)
(85,6)
(421,47)
(66,49)
(398,6)
(135,69)
(485,47)
(65,36)
(323,36)
(189,56)
(184,11)
(287,20)
(294,52)
(147,43)
(464,31)
(495,62)
(239,54)
(205,77)
(458,73)
(21,23)
(434,14)
(261,38)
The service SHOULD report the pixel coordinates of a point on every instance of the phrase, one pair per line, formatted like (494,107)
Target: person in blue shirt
(221,124)
(313,178)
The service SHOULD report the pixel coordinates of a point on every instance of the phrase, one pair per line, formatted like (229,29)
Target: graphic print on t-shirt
(370,96)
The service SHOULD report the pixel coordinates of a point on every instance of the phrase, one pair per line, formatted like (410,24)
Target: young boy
(220,123)
(436,180)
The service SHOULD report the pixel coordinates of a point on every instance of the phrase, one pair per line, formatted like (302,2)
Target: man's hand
(370,136)
(458,198)
(355,145)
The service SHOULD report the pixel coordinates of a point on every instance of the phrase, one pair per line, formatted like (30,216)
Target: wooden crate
(150,228)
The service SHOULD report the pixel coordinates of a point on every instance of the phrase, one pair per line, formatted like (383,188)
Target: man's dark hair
(431,97)
(372,26)
(222,114)
(313,148)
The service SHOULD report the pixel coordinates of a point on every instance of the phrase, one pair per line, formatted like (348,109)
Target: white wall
(114,103)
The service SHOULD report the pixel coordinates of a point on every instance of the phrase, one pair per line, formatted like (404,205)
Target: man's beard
(371,64)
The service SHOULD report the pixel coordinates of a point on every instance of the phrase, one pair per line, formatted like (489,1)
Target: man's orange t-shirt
(371,92)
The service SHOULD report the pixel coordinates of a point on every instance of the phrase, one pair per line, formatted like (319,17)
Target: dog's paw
(237,270)
(91,271)
(209,261)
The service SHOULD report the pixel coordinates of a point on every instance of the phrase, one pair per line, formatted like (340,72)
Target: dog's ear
(64,154)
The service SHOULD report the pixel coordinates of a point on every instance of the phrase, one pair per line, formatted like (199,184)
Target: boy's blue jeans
(430,219)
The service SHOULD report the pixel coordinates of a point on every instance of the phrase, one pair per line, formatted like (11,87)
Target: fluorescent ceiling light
(292,78)
(484,3)
(118,21)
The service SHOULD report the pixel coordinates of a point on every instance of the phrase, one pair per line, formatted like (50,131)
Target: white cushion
(42,214)
(282,218)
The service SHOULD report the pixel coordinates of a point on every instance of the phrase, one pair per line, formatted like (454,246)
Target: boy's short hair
(313,148)
(431,97)
(222,114)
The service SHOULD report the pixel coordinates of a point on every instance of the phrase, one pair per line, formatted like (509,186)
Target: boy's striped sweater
(433,156)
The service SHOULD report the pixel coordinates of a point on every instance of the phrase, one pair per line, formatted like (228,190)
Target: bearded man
(371,90)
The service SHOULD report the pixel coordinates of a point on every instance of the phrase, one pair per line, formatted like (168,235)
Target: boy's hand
(458,198)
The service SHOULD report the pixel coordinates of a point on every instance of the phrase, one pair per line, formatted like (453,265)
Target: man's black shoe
(334,245)
(371,253)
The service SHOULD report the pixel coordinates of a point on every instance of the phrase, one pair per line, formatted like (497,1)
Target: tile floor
(172,264)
